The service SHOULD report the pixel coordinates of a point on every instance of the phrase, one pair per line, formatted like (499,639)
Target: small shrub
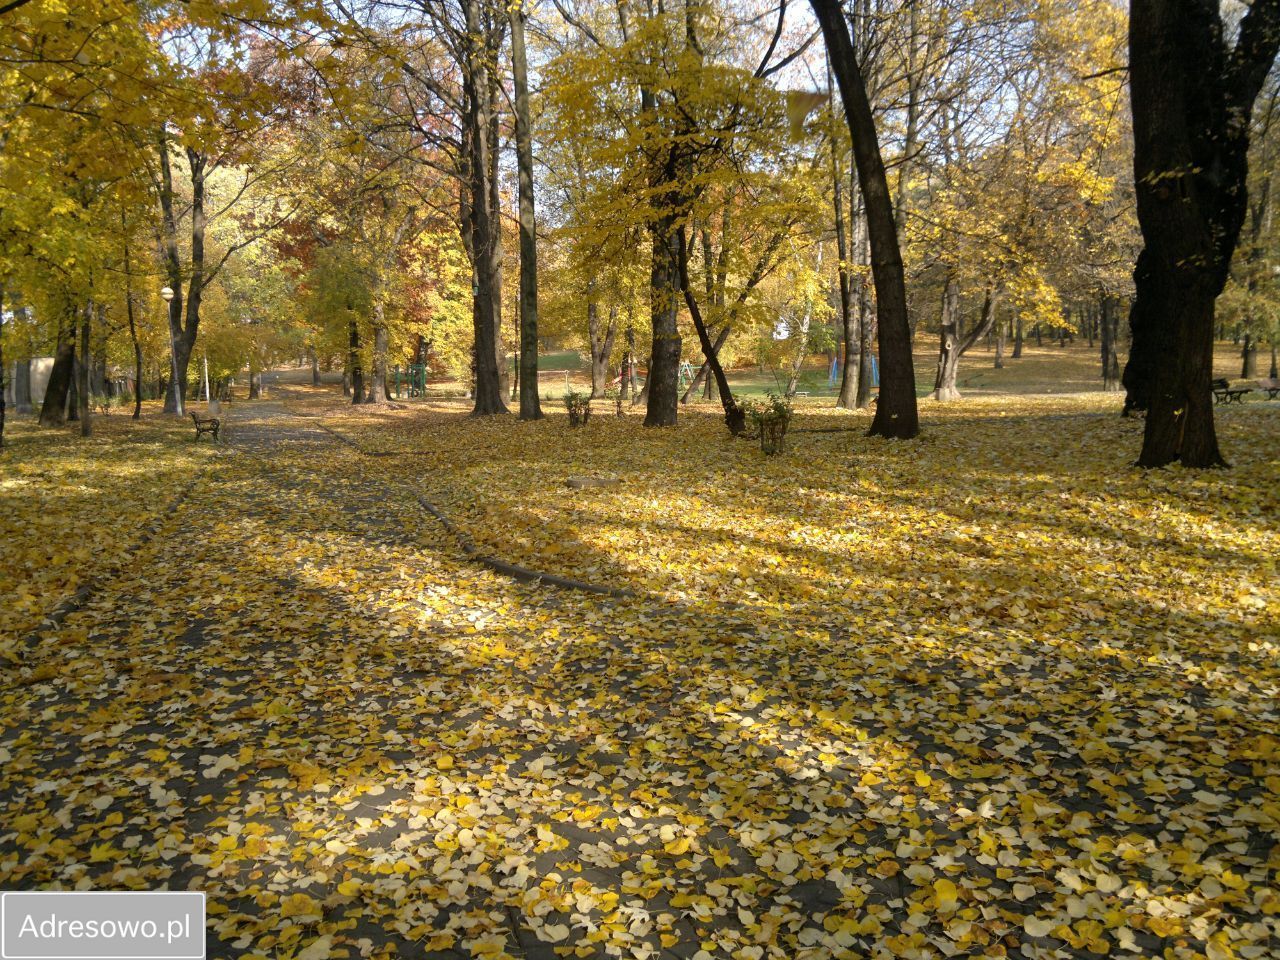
(579,406)
(771,417)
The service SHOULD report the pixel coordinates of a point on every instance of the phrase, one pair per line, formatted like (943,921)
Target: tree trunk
(1017,337)
(896,413)
(866,334)
(346,383)
(1108,326)
(944,383)
(354,366)
(84,371)
(1274,372)
(802,351)
(315,369)
(1000,339)
(734,416)
(662,386)
(481,227)
(53,411)
(530,408)
(137,354)
(701,378)
(847,398)
(1249,358)
(377,393)
(1192,97)
(601,346)
(22,387)
(628,372)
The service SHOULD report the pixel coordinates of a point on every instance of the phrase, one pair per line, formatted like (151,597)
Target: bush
(579,406)
(771,417)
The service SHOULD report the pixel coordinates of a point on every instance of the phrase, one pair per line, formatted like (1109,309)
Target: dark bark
(182,333)
(133,339)
(662,385)
(1001,329)
(1192,95)
(530,408)
(1249,357)
(701,378)
(734,416)
(481,217)
(84,371)
(1017,337)
(377,393)
(1108,327)
(1274,372)
(896,412)
(354,368)
(53,411)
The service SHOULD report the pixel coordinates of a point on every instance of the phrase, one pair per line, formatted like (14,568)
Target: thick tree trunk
(1249,358)
(944,383)
(952,349)
(53,411)
(1274,374)
(1017,337)
(662,386)
(896,413)
(530,408)
(377,393)
(1192,96)
(481,223)
(315,369)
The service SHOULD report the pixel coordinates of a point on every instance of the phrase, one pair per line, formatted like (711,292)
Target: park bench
(1271,386)
(206,425)
(1224,392)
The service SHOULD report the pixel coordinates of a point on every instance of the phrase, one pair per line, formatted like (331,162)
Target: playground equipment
(412,378)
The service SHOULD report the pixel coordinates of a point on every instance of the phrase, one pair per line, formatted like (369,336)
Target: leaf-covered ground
(991,693)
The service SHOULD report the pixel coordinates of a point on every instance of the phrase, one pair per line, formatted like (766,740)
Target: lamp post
(167,294)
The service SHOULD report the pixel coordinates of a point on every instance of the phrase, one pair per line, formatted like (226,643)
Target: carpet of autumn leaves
(992,693)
